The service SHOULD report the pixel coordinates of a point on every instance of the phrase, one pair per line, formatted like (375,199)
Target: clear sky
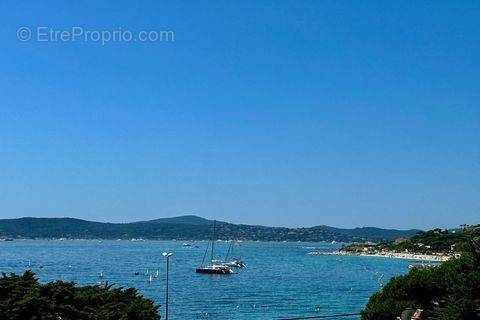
(286,113)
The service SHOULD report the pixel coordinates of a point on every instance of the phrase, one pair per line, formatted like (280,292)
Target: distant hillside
(437,240)
(372,232)
(184,227)
(446,242)
(189,219)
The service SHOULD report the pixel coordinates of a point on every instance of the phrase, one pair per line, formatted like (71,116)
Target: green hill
(184,227)
(424,242)
(436,240)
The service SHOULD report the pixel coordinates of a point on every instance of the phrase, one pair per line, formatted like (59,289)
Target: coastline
(394,255)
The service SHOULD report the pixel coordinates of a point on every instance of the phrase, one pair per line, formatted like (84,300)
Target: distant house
(400,240)
(411,314)
(471,227)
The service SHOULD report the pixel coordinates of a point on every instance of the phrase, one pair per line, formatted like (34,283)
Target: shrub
(449,291)
(22,297)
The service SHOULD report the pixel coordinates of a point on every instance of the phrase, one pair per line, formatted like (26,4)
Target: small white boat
(235,263)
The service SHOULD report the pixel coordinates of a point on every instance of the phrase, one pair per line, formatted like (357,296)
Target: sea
(280,280)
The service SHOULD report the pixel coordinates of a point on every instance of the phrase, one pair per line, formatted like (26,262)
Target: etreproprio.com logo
(81,34)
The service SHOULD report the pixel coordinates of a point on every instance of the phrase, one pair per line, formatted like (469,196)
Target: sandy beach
(394,255)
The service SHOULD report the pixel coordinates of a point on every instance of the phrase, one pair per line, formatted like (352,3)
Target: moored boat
(215,267)
(233,262)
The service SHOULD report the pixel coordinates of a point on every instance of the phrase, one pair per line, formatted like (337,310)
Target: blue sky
(287,113)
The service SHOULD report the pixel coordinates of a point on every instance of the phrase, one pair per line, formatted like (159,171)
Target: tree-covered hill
(184,227)
(437,240)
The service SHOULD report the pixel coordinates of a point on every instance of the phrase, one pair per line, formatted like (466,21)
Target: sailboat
(233,262)
(215,267)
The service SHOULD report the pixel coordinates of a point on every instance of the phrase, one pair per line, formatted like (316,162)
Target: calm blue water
(280,280)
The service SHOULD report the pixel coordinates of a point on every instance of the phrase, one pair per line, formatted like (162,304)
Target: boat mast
(229,251)
(213,240)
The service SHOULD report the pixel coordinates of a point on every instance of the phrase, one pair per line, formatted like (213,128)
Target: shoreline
(393,255)
(323,242)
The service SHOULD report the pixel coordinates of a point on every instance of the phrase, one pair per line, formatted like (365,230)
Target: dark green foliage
(24,298)
(185,227)
(449,291)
